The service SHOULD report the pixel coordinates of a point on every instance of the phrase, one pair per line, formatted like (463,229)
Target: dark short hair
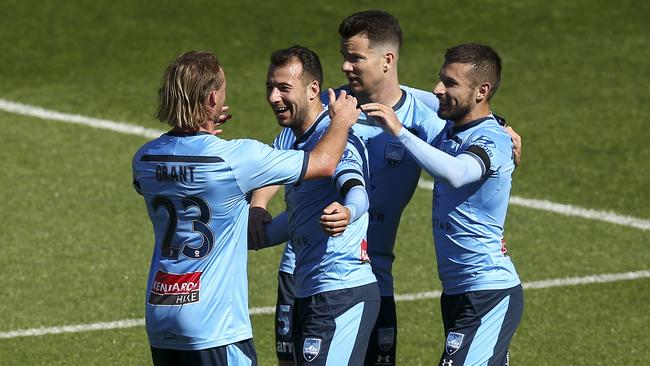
(309,59)
(379,26)
(486,63)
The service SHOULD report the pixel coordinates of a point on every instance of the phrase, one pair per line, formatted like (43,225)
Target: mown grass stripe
(129,323)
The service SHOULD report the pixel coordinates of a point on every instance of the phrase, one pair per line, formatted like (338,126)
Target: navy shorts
(234,354)
(382,347)
(479,326)
(333,327)
(283,315)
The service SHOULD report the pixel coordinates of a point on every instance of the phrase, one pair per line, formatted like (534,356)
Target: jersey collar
(305,136)
(186,134)
(469,125)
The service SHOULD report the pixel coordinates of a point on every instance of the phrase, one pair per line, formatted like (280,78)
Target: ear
(313,90)
(211,100)
(389,60)
(482,92)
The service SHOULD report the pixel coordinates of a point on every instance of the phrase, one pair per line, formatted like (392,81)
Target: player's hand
(343,109)
(516,144)
(258,218)
(335,219)
(224,116)
(384,115)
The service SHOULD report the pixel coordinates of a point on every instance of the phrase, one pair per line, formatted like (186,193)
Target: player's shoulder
(324,96)
(422,98)
(489,134)
(285,139)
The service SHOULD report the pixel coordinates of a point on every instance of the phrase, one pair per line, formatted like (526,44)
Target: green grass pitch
(76,241)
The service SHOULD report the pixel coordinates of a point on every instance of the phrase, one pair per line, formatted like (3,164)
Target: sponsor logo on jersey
(364,252)
(348,157)
(454,341)
(385,338)
(446,362)
(175,289)
(394,153)
(311,348)
(284,320)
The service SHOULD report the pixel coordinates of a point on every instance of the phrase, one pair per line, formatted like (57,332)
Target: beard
(453,111)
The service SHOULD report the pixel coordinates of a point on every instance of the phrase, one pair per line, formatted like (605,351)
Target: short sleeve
(256,165)
(492,148)
(352,169)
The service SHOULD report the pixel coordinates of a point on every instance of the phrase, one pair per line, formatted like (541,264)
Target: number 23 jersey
(195,188)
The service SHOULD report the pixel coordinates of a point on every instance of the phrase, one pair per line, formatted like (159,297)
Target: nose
(274,95)
(346,66)
(439,89)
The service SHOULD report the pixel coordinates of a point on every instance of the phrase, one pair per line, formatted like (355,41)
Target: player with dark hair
(370,45)
(328,305)
(482,300)
(194,185)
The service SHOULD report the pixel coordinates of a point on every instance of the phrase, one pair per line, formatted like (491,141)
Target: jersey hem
(203,345)
(326,288)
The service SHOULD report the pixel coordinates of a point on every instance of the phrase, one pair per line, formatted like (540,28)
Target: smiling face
(455,91)
(288,94)
(363,65)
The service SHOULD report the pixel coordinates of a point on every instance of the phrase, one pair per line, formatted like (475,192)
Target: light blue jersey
(325,263)
(394,176)
(468,221)
(194,187)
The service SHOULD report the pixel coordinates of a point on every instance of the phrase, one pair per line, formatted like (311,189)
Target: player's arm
(258,216)
(276,232)
(467,167)
(349,181)
(325,156)
(336,217)
(455,170)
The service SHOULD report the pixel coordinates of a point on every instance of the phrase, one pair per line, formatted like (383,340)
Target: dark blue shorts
(283,314)
(234,354)
(479,326)
(382,347)
(334,327)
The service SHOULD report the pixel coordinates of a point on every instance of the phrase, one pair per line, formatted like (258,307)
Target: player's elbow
(320,169)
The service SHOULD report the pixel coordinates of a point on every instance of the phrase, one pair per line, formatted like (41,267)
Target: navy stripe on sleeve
(481,156)
(347,186)
(305,164)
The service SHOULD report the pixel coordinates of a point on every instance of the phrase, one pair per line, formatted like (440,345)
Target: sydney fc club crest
(454,341)
(394,153)
(385,338)
(311,348)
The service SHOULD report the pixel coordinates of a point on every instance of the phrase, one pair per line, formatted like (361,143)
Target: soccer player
(482,300)
(370,44)
(194,185)
(336,294)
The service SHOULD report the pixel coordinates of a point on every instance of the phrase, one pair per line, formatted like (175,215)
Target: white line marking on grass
(38,112)
(129,323)
(567,210)
(123,127)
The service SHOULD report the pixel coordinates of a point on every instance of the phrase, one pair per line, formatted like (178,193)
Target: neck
(315,110)
(388,93)
(480,111)
(208,127)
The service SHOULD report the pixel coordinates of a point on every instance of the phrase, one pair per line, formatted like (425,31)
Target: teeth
(281,109)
